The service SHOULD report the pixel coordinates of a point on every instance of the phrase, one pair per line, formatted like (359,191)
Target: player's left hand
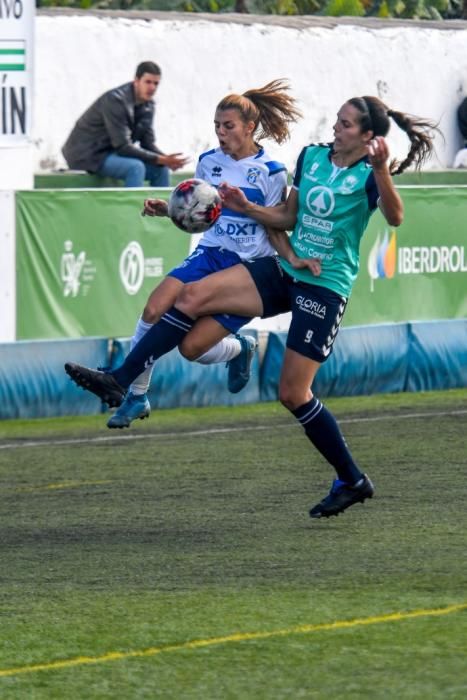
(312,264)
(378,152)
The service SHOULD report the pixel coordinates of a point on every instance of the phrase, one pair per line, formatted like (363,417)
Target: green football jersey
(334,206)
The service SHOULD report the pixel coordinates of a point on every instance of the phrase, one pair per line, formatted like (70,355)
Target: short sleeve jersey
(334,207)
(263,180)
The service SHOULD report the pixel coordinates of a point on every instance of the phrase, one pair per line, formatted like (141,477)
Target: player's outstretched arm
(281,216)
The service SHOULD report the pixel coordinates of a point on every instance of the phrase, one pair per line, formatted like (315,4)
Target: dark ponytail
(376,116)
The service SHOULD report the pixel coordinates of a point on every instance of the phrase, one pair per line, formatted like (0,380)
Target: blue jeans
(134,171)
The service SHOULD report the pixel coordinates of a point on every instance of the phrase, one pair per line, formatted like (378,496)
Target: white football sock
(141,329)
(225,350)
(141,383)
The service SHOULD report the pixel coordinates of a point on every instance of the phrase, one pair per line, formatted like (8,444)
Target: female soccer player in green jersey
(337,186)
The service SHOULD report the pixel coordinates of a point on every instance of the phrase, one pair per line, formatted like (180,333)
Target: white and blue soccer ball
(194,205)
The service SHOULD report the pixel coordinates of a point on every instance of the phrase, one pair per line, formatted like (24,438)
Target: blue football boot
(240,366)
(132,408)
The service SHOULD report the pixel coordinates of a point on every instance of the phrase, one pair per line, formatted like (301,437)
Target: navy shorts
(316,311)
(270,280)
(203,261)
(316,316)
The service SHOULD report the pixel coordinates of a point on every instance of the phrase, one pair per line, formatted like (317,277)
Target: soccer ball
(194,205)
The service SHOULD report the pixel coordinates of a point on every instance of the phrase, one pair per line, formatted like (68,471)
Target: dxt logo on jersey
(245,230)
(320,201)
(216,171)
(383,257)
(252,175)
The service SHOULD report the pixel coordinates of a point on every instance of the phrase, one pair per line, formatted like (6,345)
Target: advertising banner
(16,70)
(419,270)
(7,267)
(87,261)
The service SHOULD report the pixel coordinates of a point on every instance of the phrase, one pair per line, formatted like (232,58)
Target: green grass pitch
(177,560)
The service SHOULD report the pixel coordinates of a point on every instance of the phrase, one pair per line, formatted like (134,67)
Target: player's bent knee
(189,351)
(287,401)
(150,314)
(292,399)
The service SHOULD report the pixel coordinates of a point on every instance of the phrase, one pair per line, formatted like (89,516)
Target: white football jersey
(263,181)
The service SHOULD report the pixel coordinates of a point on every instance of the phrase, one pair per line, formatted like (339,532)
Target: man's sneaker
(342,496)
(132,408)
(98,382)
(240,366)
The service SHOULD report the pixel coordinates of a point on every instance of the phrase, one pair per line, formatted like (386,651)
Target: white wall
(418,67)
(415,67)
(17,165)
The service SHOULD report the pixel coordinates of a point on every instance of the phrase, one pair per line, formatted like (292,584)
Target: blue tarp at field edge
(437,355)
(33,382)
(416,356)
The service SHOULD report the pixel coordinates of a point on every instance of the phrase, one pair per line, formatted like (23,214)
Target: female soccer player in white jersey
(240,121)
(336,188)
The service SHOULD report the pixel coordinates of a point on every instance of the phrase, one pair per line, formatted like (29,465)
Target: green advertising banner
(419,270)
(87,261)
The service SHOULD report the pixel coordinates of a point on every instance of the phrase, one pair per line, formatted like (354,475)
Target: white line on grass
(212,431)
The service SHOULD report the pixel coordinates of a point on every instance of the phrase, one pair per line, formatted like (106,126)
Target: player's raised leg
(231,291)
(136,403)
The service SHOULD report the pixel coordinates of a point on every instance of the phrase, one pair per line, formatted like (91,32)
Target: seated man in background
(115,136)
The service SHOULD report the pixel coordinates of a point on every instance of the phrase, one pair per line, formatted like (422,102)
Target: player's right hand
(232,197)
(155,207)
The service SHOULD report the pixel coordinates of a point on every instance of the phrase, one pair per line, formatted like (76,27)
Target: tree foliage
(407,9)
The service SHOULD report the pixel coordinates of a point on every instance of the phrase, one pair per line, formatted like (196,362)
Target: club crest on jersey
(252,175)
(348,184)
(216,171)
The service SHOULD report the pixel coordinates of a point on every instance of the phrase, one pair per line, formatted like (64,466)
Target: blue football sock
(162,337)
(322,429)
